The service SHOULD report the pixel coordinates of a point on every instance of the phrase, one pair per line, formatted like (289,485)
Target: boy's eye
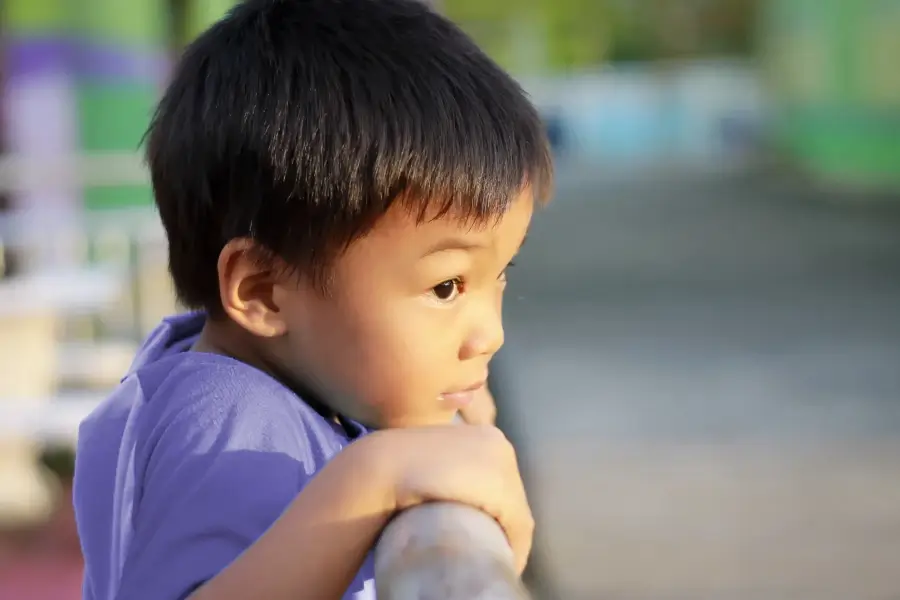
(447,290)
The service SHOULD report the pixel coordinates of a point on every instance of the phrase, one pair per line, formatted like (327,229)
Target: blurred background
(703,361)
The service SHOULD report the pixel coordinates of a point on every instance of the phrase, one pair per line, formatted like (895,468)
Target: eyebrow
(452,243)
(458,243)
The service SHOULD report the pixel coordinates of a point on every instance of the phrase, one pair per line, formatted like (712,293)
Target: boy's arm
(218,514)
(215,509)
(316,547)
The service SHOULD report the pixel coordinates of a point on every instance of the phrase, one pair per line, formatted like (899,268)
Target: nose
(486,337)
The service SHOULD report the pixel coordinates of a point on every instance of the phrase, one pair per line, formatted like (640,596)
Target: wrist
(376,457)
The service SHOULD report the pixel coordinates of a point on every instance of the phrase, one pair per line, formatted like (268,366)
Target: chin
(420,420)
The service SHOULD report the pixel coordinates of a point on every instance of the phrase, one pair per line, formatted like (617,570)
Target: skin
(411,321)
(482,411)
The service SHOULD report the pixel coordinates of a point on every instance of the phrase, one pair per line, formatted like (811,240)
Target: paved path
(707,373)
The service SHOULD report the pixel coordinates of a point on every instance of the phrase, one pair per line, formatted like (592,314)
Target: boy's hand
(472,465)
(482,411)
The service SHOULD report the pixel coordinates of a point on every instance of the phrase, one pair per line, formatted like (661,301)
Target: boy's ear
(247,285)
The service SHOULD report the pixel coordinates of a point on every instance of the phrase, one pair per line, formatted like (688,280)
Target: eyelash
(459,285)
(508,267)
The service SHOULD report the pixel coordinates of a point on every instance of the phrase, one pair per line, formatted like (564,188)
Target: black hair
(298,123)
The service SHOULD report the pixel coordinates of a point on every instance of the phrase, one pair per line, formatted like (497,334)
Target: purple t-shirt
(189,462)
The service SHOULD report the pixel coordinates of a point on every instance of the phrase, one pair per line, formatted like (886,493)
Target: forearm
(318,545)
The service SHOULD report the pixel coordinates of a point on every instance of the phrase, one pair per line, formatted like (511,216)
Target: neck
(226,338)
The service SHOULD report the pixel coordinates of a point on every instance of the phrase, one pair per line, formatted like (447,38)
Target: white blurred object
(50,420)
(95,365)
(71,291)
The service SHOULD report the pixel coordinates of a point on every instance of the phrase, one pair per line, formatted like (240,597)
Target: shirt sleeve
(216,475)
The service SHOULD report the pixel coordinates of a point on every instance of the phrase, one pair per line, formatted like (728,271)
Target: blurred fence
(83,277)
(74,295)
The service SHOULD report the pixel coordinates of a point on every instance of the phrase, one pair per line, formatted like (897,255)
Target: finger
(482,410)
(527,537)
(520,536)
(518,523)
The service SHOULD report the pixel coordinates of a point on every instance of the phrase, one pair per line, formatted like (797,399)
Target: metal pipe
(445,551)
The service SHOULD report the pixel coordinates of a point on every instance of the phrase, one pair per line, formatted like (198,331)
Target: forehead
(402,228)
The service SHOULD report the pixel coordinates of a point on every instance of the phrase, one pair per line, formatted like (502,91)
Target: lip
(462,398)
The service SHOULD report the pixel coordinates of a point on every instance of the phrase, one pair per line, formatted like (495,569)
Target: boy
(343,184)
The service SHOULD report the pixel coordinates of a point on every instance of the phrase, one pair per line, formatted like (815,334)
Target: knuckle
(528,522)
(492,435)
(507,448)
(498,446)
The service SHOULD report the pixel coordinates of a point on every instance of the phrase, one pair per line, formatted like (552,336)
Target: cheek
(395,356)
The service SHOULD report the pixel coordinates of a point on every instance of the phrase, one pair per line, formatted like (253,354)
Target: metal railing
(445,551)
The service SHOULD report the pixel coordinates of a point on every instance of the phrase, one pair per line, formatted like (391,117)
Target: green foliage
(575,34)
(570,33)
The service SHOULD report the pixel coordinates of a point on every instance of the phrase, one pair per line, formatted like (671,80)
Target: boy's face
(411,320)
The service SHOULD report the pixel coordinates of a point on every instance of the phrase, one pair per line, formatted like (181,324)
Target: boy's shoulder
(190,382)
(196,403)
(218,397)
(233,445)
